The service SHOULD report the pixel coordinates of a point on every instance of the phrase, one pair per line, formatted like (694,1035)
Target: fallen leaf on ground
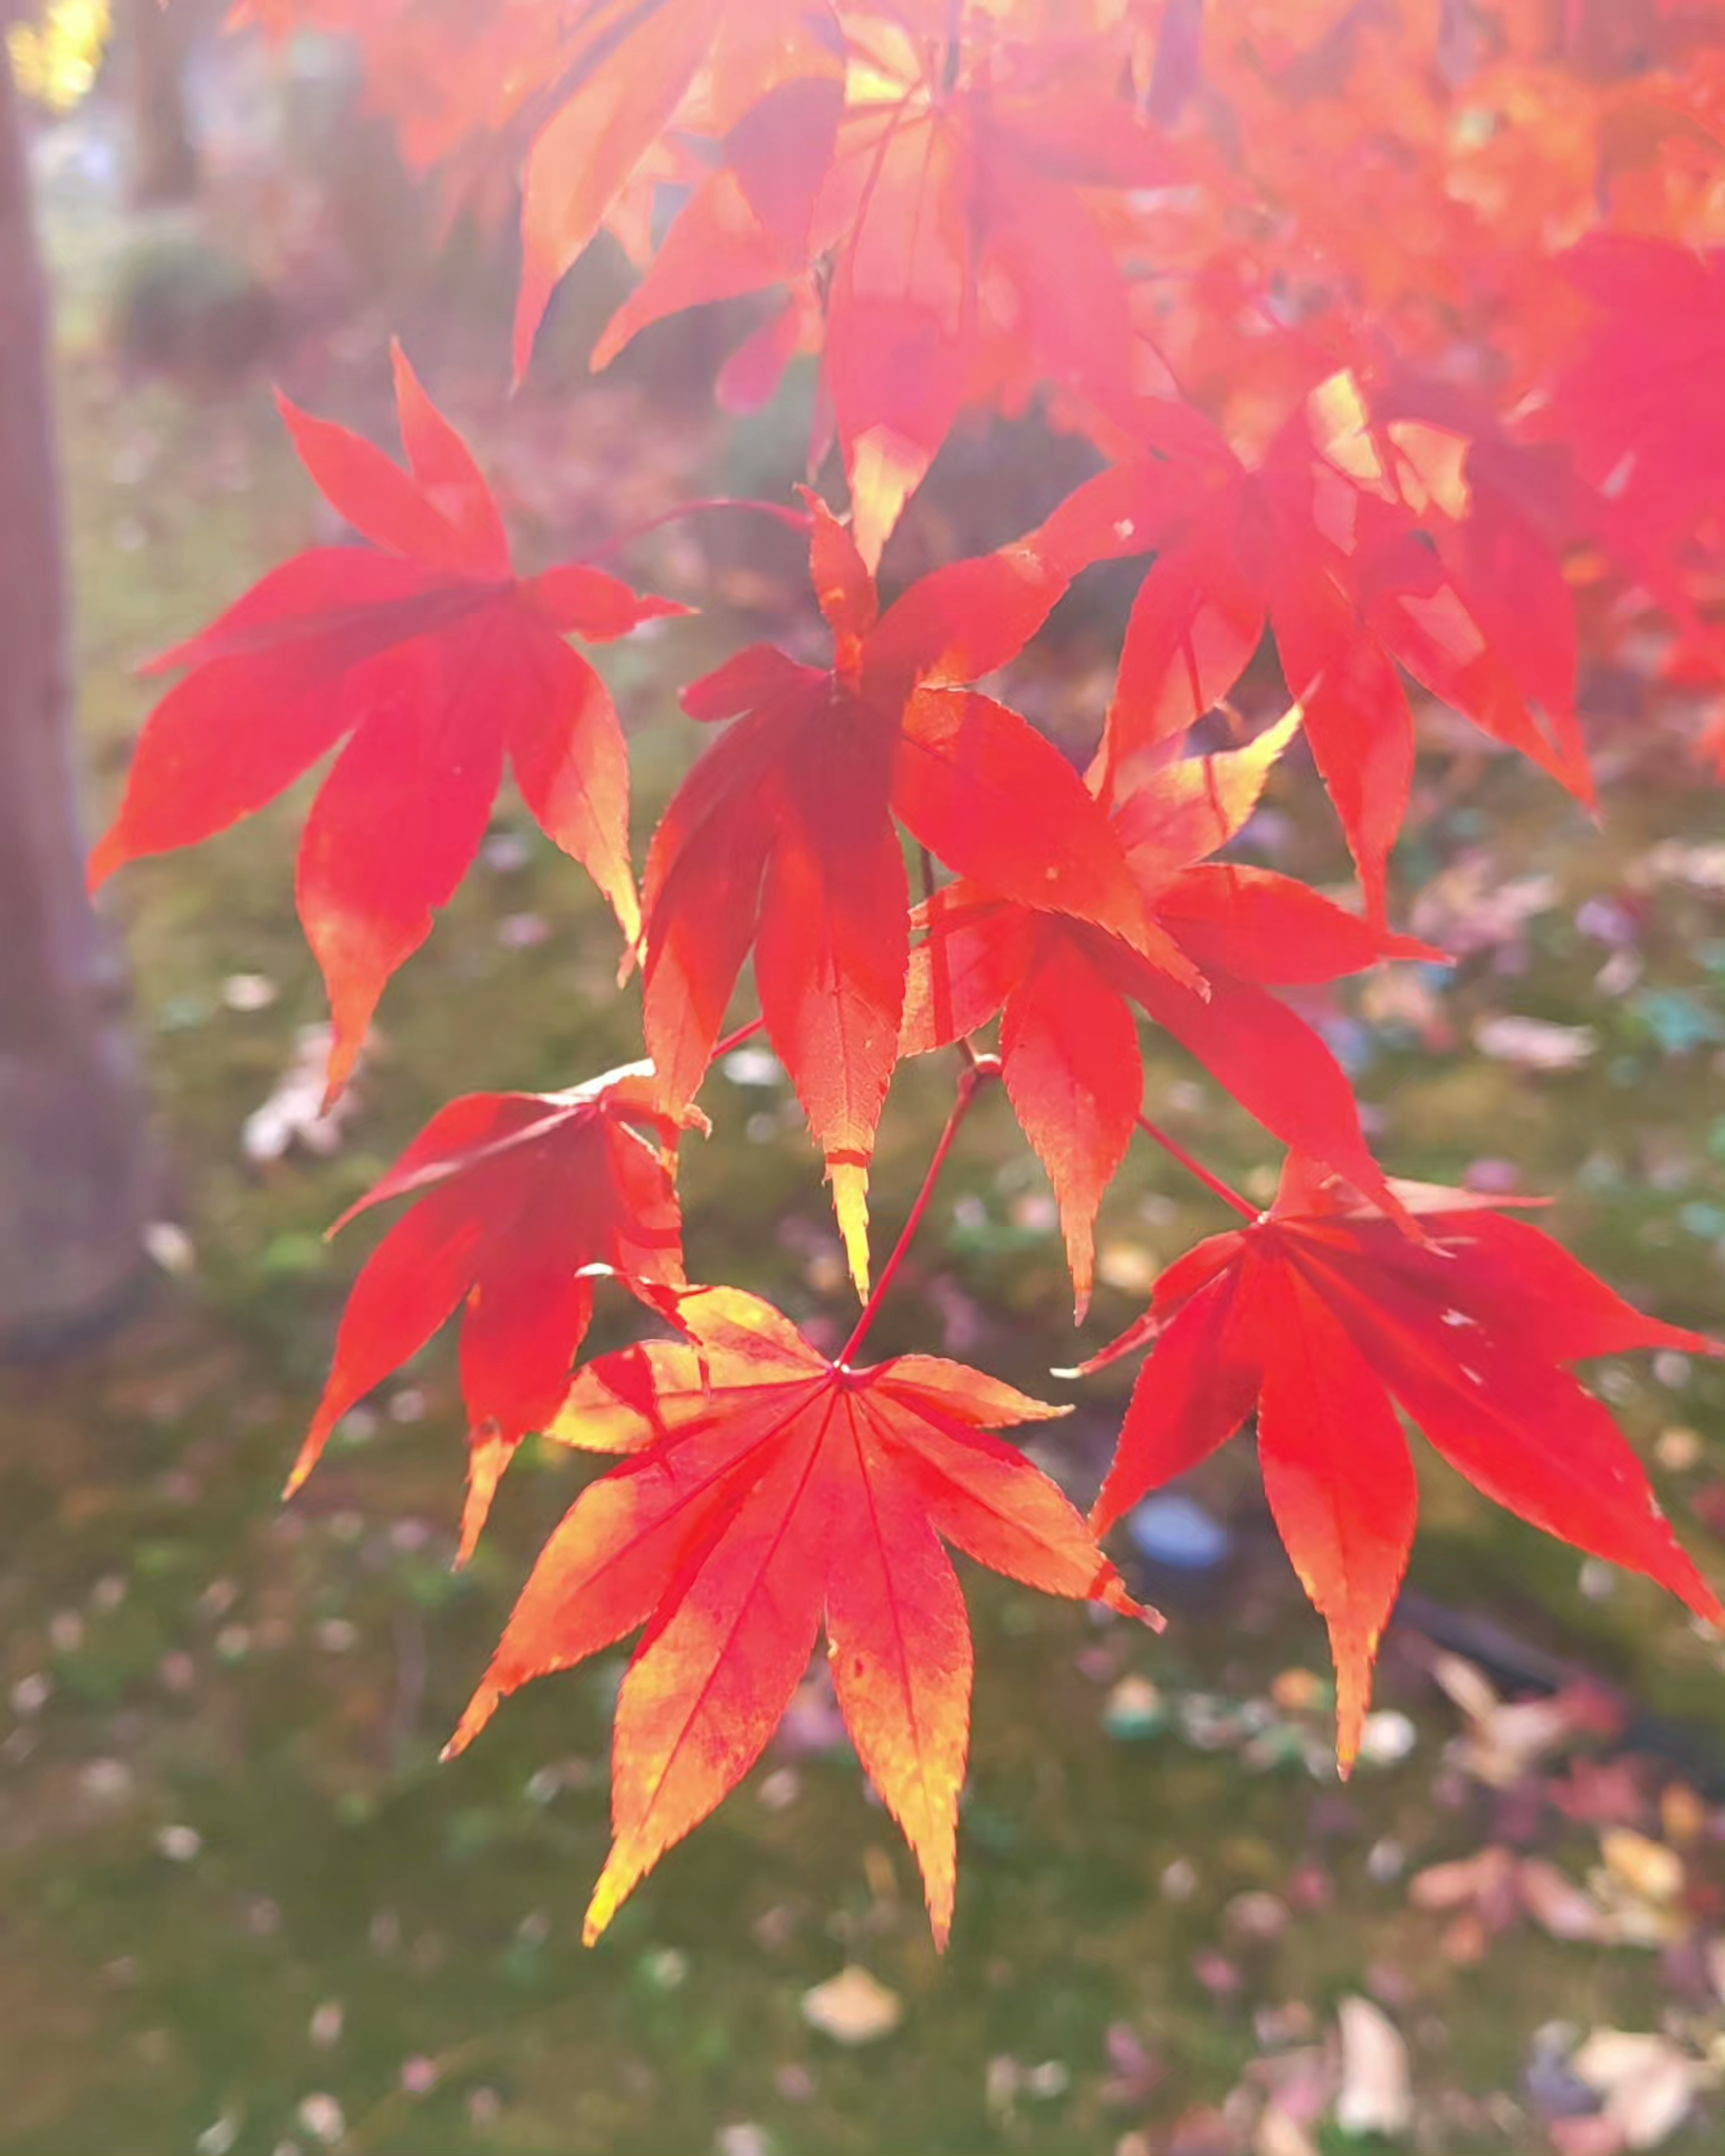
(1535,1044)
(1487,1877)
(1646,1867)
(853,2007)
(1506,1737)
(1557,1905)
(1649,2082)
(1377,2092)
(293,1113)
(1279,2135)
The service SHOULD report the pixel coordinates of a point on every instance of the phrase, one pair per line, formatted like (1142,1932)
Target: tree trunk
(164,157)
(74,1187)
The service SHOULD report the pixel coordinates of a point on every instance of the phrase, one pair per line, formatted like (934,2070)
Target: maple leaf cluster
(1397,335)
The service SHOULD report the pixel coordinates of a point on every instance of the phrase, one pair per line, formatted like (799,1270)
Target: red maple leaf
(525,1200)
(626,69)
(1064,988)
(782,837)
(578,101)
(1501,513)
(1320,542)
(781,1494)
(947,229)
(434,660)
(1330,1317)
(1639,406)
(1641,403)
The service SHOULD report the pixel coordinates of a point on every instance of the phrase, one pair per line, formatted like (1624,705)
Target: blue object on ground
(1172,1530)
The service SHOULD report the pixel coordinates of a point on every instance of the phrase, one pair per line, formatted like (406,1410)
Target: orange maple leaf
(781,1494)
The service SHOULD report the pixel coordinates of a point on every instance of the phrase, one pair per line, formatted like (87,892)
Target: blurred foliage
(184,305)
(55,55)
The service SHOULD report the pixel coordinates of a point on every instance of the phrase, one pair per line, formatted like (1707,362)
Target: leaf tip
(886,471)
(1081,1263)
(850,1180)
(108,854)
(625,905)
(1112,1592)
(531,299)
(489,1454)
(1354,1658)
(311,1452)
(1699,1598)
(477,1713)
(351,1009)
(616,1883)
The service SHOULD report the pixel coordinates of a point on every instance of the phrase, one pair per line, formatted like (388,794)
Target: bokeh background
(242,1908)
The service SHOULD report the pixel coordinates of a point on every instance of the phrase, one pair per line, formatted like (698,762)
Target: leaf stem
(970,1079)
(795,519)
(1225,1192)
(937,958)
(736,1040)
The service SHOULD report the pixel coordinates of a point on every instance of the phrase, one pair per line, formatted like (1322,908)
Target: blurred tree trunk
(164,157)
(72,1181)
